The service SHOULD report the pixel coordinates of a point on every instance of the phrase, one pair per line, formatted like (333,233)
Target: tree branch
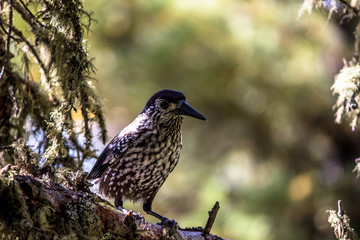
(27,15)
(211,219)
(33,52)
(51,210)
(7,57)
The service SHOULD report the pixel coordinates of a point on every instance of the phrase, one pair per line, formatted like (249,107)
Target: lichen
(341,225)
(60,54)
(13,211)
(347,87)
(26,212)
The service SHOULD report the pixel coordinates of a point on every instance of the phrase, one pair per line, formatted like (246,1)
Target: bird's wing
(113,151)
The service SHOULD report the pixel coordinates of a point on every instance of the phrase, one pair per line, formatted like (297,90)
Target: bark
(39,208)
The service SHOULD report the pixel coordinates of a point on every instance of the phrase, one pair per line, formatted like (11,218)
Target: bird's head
(170,104)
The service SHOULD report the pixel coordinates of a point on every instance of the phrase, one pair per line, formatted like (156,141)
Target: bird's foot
(136,216)
(166,223)
(130,222)
(170,227)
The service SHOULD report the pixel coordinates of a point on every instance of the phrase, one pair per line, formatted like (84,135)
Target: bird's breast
(144,167)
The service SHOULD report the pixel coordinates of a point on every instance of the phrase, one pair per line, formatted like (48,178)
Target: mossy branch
(57,203)
(54,42)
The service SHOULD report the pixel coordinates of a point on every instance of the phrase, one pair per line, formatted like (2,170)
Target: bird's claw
(130,221)
(136,216)
(168,223)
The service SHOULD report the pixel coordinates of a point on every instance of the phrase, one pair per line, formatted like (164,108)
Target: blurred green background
(270,151)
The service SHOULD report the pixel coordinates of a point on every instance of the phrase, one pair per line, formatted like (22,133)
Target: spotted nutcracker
(137,161)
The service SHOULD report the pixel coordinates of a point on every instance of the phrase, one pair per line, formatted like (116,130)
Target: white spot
(167,165)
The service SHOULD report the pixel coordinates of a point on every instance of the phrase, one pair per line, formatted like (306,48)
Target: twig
(33,51)
(2,27)
(211,219)
(87,131)
(26,14)
(6,61)
(340,211)
(348,6)
(6,147)
(10,26)
(30,13)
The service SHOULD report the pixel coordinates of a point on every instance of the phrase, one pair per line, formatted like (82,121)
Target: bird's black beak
(187,110)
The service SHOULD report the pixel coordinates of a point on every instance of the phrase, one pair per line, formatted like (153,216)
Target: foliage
(347,86)
(347,82)
(47,37)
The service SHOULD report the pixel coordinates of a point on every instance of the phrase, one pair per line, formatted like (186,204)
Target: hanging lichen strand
(52,42)
(347,82)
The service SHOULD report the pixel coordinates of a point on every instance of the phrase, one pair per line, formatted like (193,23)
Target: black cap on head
(167,94)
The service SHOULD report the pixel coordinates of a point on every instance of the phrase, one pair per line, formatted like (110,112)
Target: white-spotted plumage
(137,161)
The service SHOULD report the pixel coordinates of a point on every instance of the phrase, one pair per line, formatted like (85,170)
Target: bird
(138,160)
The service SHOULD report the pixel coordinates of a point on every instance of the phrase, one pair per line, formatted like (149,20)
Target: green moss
(14,217)
(36,218)
(12,201)
(44,217)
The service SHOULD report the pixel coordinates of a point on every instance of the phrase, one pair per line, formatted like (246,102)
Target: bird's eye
(164,104)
